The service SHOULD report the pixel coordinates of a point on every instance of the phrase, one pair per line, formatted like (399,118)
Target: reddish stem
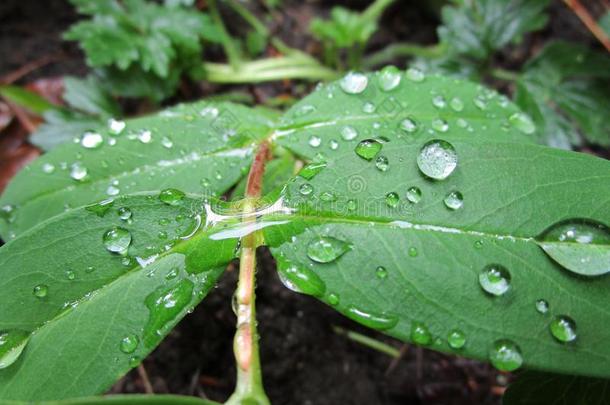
(255,177)
(589,21)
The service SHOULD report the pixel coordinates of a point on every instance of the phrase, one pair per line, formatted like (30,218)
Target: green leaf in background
(432,231)
(535,388)
(604,22)
(25,98)
(88,96)
(99,287)
(192,147)
(61,126)
(566,90)
(477,28)
(134,399)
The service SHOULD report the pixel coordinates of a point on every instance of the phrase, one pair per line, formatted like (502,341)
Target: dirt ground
(304,361)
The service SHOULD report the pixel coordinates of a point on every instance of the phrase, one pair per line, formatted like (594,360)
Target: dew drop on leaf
(333,299)
(348,133)
(124,213)
(580,246)
(522,122)
(389,78)
(326,249)
(408,125)
(439,101)
(78,172)
(382,163)
(351,205)
(167,142)
(145,136)
(129,344)
(134,361)
(354,83)
(368,148)
(48,168)
(8,213)
(542,306)
(437,159)
(414,195)
(328,196)
(164,305)
(381,272)
(415,75)
(306,189)
(456,104)
(311,170)
(454,200)
(302,280)
(91,140)
(372,319)
(440,125)
(70,275)
(413,252)
(563,328)
(315,141)
(505,355)
(115,126)
(40,291)
(368,107)
(456,339)
(333,144)
(420,334)
(392,199)
(117,240)
(171,196)
(12,343)
(495,279)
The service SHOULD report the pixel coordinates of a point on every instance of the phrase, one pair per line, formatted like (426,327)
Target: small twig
(28,68)
(367,341)
(144,376)
(419,362)
(401,354)
(22,116)
(582,13)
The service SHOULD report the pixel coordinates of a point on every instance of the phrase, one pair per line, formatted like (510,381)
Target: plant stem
(503,74)
(368,341)
(249,388)
(403,49)
(250,18)
(227,41)
(589,22)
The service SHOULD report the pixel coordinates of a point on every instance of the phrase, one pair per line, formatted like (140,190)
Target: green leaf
(477,28)
(25,98)
(345,29)
(277,173)
(94,314)
(565,90)
(428,259)
(61,126)
(534,388)
(604,22)
(134,399)
(88,96)
(192,147)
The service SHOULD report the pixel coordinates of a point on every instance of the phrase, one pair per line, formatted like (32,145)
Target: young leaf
(26,98)
(565,89)
(97,288)
(61,126)
(436,236)
(192,147)
(88,96)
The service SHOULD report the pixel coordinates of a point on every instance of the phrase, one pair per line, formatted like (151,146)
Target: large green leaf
(86,314)
(394,249)
(135,399)
(193,147)
(565,89)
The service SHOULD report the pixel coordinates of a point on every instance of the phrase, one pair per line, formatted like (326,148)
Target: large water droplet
(372,319)
(41,291)
(171,196)
(392,200)
(389,78)
(116,127)
(581,246)
(164,305)
(522,122)
(420,334)
(454,200)
(505,355)
(456,339)
(368,148)
(78,172)
(310,171)
(326,249)
(563,328)
(91,140)
(302,280)
(354,83)
(129,344)
(495,279)
(12,343)
(117,240)
(437,159)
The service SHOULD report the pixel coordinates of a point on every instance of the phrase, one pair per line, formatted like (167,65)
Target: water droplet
(480,102)
(8,213)
(382,163)
(415,75)
(306,189)
(456,104)
(91,140)
(134,361)
(409,125)
(522,122)
(41,291)
(328,196)
(456,339)
(368,148)
(478,244)
(333,299)
(563,328)
(439,101)
(351,205)
(311,170)
(326,249)
(315,141)
(454,200)
(70,275)
(440,125)
(304,110)
(368,107)
(389,78)
(101,208)
(145,136)
(579,245)
(209,112)
(505,355)
(354,83)
(462,123)
(542,306)
(333,144)
(495,279)
(113,190)
(420,334)
(412,252)
(371,319)
(348,133)
(381,272)
(392,199)
(129,344)
(171,196)
(437,159)
(116,127)
(78,172)
(302,280)
(167,142)
(117,240)
(414,195)
(164,305)
(48,168)
(124,213)
(12,343)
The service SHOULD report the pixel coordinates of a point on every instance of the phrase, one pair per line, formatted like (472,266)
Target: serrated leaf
(87,95)
(61,126)
(535,388)
(94,314)
(181,147)
(565,89)
(429,258)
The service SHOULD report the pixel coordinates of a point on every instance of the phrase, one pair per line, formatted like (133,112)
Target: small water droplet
(78,172)
(171,196)
(415,74)
(408,125)
(351,205)
(412,252)
(91,140)
(116,127)
(440,125)
(333,299)
(371,319)
(392,199)
(326,249)
(368,148)
(8,213)
(209,112)
(454,200)
(112,190)
(328,196)
(439,101)
(117,240)
(134,361)
(389,78)
(522,122)
(381,272)
(167,142)
(542,306)
(41,291)
(354,83)
(480,102)
(505,355)
(48,168)
(414,195)
(145,136)
(70,275)
(348,133)
(478,244)
(437,159)
(124,213)
(333,144)
(456,104)
(12,343)
(456,339)
(382,163)
(420,334)
(129,344)
(304,110)
(563,328)
(368,107)
(495,279)
(306,189)
(311,170)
